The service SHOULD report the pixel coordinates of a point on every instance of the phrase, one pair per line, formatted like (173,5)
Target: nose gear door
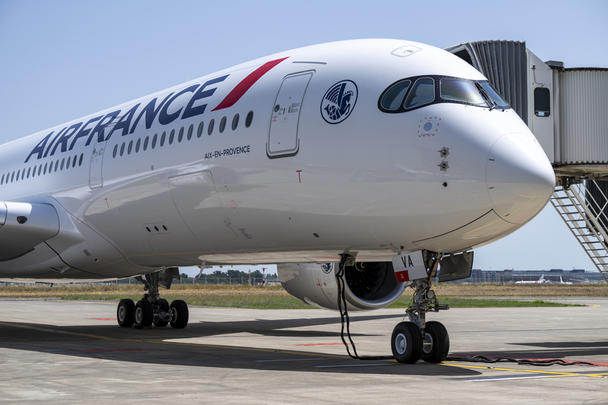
(283,137)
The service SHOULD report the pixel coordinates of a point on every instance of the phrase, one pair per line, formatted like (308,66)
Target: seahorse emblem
(339,101)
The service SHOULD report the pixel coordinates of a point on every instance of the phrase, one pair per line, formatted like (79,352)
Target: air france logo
(339,101)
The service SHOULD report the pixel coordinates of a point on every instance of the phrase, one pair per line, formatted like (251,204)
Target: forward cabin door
(283,136)
(95,171)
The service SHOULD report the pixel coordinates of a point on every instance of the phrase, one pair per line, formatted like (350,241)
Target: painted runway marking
(104,319)
(507,377)
(355,365)
(541,373)
(319,344)
(113,350)
(289,360)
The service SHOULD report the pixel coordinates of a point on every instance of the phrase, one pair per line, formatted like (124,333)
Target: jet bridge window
(542,102)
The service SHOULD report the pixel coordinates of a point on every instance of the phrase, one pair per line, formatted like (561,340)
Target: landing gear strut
(152,309)
(417,338)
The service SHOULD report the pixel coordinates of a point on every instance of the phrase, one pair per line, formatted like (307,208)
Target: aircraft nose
(519,177)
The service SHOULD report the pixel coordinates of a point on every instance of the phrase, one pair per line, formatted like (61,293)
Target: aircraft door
(283,135)
(95,171)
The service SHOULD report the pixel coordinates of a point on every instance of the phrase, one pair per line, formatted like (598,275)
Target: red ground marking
(319,344)
(112,350)
(104,319)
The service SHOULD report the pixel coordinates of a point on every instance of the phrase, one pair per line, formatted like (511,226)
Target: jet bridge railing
(584,214)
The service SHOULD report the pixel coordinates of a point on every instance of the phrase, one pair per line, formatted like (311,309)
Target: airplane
(356,166)
(541,280)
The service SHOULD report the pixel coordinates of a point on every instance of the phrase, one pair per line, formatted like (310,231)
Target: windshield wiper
(491,104)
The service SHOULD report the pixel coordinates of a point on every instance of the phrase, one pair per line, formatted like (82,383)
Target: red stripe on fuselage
(246,83)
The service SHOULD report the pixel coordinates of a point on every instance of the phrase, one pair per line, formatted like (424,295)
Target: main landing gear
(152,309)
(417,338)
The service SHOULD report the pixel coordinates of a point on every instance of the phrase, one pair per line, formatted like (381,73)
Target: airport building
(555,276)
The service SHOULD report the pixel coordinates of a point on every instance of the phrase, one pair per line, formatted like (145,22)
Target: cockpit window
(403,96)
(423,92)
(393,97)
(494,96)
(459,90)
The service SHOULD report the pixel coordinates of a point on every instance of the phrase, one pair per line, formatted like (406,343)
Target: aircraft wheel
(436,343)
(125,313)
(179,314)
(406,342)
(144,313)
(162,308)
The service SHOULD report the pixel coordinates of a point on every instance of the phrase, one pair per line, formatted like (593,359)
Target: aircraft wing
(24,225)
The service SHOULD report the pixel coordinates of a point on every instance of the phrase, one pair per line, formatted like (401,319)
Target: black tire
(144,313)
(179,314)
(406,343)
(436,344)
(125,313)
(161,306)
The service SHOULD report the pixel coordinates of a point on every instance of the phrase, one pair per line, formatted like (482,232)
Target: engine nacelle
(369,285)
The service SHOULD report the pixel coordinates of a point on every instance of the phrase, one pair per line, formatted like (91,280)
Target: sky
(60,60)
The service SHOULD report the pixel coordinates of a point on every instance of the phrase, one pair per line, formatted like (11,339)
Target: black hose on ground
(344,317)
(525,362)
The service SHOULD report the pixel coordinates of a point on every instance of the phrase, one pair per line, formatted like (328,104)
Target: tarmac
(66,352)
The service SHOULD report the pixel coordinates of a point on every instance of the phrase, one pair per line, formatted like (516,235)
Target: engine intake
(369,285)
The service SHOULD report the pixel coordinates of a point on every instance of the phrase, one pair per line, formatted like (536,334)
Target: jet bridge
(567,110)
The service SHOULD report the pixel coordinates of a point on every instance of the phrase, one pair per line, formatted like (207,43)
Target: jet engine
(368,285)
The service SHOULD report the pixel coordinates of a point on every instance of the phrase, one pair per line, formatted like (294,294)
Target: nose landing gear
(417,338)
(152,309)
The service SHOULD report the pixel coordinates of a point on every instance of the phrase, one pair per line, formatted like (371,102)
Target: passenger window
(200,129)
(62,163)
(115,151)
(222,124)
(122,149)
(74,161)
(180,137)
(56,165)
(138,145)
(171,137)
(44,169)
(154,139)
(80,159)
(542,102)
(235,122)
(12,177)
(210,127)
(130,147)
(29,169)
(162,138)
(393,97)
(2,181)
(422,93)
(190,129)
(248,119)
(146,141)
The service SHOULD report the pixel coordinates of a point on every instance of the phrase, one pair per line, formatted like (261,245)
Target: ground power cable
(345,318)
(523,362)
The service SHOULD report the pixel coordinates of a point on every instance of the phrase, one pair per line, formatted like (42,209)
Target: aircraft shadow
(151,346)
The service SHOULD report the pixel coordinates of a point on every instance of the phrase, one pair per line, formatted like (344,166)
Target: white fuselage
(292,186)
